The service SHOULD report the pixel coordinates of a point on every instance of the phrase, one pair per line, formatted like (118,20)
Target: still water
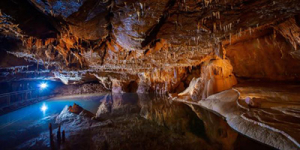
(136,121)
(28,122)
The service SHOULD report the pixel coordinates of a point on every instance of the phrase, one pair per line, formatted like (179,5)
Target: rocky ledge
(272,122)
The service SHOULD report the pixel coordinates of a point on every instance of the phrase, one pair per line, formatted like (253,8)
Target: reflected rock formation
(201,53)
(74,118)
(172,115)
(116,104)
(121,118)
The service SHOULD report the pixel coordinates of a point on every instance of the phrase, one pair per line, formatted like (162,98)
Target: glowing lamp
(43,85)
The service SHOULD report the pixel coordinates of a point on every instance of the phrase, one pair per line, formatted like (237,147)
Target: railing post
(51,136)
(63,136)
(58,135)
(19,96)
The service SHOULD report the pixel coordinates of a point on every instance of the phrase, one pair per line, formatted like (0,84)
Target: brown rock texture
(149,46)
(268,57)
(216,76)
(80,89)
(190,49)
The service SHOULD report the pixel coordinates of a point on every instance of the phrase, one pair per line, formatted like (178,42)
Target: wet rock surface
(189,49)
(278,107)
(150,42)
(140,121)
(251,108)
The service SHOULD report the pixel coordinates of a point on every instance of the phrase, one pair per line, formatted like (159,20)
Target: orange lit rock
(266,57)
(76,109)
(291,31)
(216,76)
(158,46)
(120,86)
(161,81)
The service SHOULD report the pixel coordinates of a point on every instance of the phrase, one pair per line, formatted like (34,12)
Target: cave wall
(162,80)
(267,57)
(150,46)
(86,88)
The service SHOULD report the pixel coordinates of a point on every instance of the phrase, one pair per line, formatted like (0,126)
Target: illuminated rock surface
(275,122)
(188,49)
(76,41)
(279,107)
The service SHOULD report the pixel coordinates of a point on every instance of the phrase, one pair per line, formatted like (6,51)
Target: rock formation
(153,46)
(216,76)
(189,49)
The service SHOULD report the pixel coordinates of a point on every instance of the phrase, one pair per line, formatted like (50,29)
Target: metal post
(58,135)
(63,136)
(51,136)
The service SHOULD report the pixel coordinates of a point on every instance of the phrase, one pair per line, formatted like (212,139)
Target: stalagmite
(162,47)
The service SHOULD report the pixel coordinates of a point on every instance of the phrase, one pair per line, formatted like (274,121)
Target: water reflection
(44,108)
(143,118)
(173,115)
(117,104)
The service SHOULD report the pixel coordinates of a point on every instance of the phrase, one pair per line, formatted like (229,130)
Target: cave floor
(279,107)
(275,120)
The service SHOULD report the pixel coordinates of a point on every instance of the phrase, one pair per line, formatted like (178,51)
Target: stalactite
(230,38)
(138,15)
(250,30)
(215,27)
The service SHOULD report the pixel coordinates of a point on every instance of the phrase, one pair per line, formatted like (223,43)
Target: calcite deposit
(188,49)
(156,44)
(216,76)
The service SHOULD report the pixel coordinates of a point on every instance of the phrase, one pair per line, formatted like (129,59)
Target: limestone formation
(160,42)
(191,50)
(216,76)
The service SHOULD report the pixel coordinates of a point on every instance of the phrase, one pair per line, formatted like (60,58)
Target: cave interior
(224,74)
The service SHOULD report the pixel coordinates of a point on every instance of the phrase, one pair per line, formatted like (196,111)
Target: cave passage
(150,74)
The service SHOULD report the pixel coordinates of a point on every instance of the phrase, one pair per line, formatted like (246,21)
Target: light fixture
(43,85)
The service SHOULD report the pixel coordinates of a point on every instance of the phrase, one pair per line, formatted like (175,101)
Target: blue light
(43,85)
(44,108)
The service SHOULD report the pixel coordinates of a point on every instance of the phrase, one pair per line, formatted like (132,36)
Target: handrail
(14,93)
(10,98)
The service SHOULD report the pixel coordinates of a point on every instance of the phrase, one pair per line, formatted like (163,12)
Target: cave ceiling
(47,38)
